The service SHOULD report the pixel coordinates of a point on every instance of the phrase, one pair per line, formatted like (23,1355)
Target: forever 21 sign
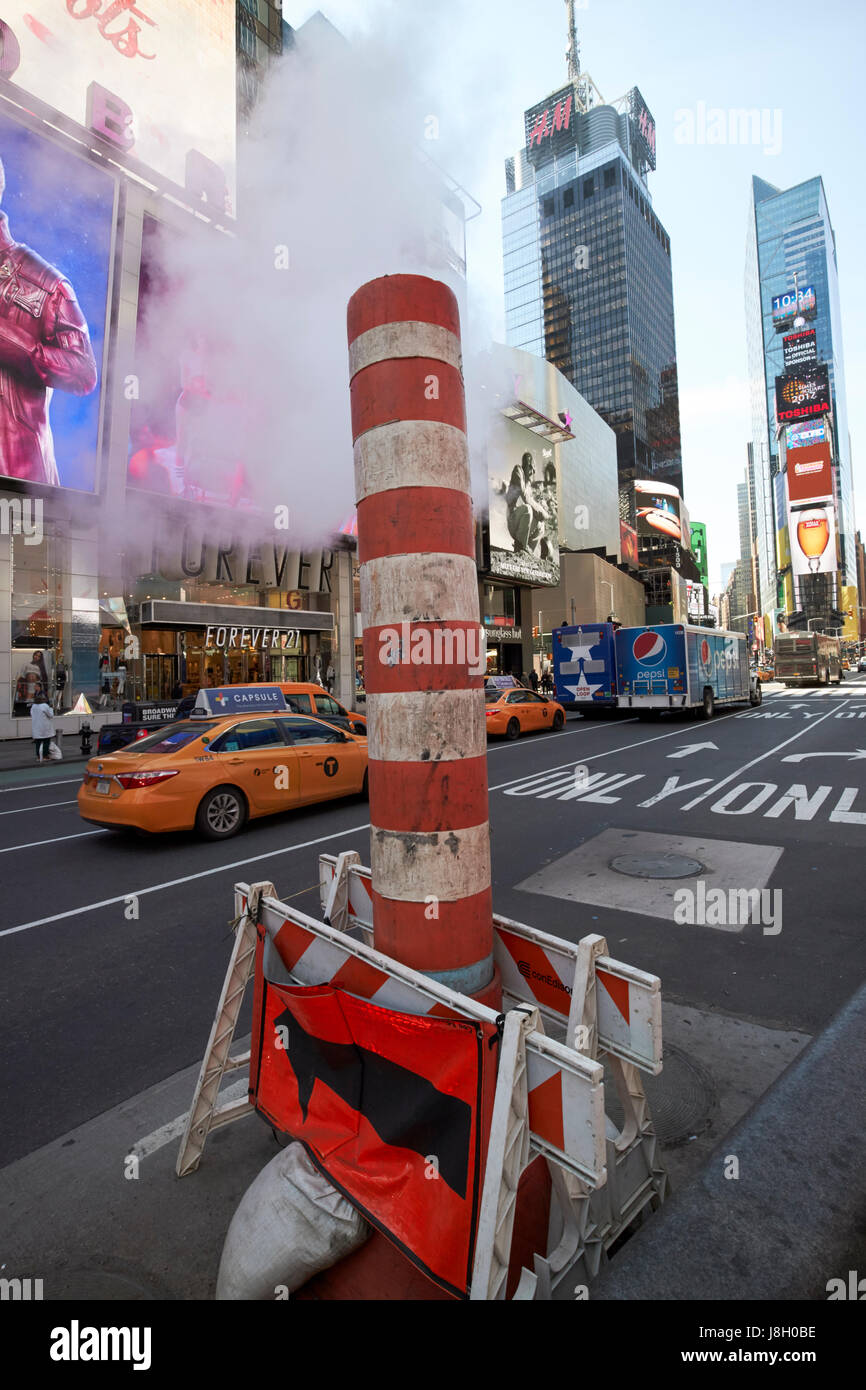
(235,638)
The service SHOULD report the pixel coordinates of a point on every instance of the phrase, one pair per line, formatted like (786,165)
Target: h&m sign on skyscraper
(551,126)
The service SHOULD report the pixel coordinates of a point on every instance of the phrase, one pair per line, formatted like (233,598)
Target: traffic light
(536,632)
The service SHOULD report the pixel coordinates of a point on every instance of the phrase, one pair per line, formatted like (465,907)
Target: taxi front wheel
(221,814)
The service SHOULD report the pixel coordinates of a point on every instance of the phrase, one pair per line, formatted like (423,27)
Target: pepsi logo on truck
(649,648)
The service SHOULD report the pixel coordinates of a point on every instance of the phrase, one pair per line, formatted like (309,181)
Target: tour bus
(808,658)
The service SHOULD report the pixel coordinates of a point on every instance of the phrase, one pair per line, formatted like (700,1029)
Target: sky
(478,64)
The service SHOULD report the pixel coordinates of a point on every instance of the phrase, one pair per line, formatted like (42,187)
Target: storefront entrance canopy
(170,613)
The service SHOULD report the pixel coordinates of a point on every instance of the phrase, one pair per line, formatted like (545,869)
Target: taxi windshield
(171,738)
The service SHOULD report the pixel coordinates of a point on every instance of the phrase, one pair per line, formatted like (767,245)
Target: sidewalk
(18,753)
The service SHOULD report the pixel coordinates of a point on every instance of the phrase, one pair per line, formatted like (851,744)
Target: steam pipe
(424,656)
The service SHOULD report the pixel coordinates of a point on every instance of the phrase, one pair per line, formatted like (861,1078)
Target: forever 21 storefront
(241,613)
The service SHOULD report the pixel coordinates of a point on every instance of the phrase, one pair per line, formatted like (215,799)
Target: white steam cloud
(333,191)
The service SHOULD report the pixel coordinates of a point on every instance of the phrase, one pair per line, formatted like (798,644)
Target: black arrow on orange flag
(405,1109)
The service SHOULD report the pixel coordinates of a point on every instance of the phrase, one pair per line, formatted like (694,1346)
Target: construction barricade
(423,1106)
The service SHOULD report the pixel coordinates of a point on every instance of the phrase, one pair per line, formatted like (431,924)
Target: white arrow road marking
(853,756)
(770,753)
(692,748)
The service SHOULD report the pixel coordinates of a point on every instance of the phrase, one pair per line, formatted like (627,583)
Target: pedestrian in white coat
(41,725)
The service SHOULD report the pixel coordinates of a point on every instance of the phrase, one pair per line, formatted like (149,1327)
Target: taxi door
(330,763)
(520,706)
(540,711)
(253,755)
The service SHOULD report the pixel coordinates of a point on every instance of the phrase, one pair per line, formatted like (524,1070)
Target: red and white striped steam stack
(423,657)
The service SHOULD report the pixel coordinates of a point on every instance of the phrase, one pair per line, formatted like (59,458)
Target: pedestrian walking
(533,680)
(41,725)
(329,677)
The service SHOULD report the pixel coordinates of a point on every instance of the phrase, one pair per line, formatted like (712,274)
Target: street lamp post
(607,584)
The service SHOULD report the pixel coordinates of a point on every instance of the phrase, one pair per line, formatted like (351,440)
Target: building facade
(552,491)
(791,259)
(588,281)
(136,559)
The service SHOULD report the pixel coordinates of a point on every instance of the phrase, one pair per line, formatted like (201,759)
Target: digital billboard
(643,128)
(698,542)
(696,600)
(56,228)
(811,432)
(803,393)
(810,473)
(787,307)
(551,126)
(524,515)
(658,510)
(155,77)
(812,540)
(799,349)
(189,425)
(628,546)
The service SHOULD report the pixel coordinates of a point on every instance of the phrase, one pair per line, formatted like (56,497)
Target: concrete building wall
(584,595)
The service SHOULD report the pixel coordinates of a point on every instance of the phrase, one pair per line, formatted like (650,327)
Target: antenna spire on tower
(573,53)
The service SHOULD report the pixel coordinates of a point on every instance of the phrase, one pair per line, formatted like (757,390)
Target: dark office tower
(588,270)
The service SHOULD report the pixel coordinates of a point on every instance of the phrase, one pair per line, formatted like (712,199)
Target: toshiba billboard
(810,473)
(156,78)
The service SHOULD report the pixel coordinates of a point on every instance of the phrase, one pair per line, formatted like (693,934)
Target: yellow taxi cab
(215,772)
(518,711)
(305,697)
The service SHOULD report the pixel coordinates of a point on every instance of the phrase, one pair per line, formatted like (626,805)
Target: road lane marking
(689,748)
(37,844)
(176,882)
(143,1148)
(854,756)
(32,786)
(43,806)
(593,757)
(740,770)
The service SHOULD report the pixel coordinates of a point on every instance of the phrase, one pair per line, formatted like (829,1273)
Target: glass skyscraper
(588,274)
(790,233)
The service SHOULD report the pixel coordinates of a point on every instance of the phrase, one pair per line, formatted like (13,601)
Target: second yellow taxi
(518,711)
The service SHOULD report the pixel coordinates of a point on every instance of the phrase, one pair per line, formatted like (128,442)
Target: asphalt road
(113,949)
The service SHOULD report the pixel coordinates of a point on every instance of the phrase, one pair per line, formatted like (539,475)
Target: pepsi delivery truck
(584,666)
(675,666)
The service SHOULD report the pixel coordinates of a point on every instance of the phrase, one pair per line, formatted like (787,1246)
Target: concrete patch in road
(585,875)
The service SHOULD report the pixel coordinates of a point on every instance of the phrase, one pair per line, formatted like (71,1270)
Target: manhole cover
(681,1099)
(657,865)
